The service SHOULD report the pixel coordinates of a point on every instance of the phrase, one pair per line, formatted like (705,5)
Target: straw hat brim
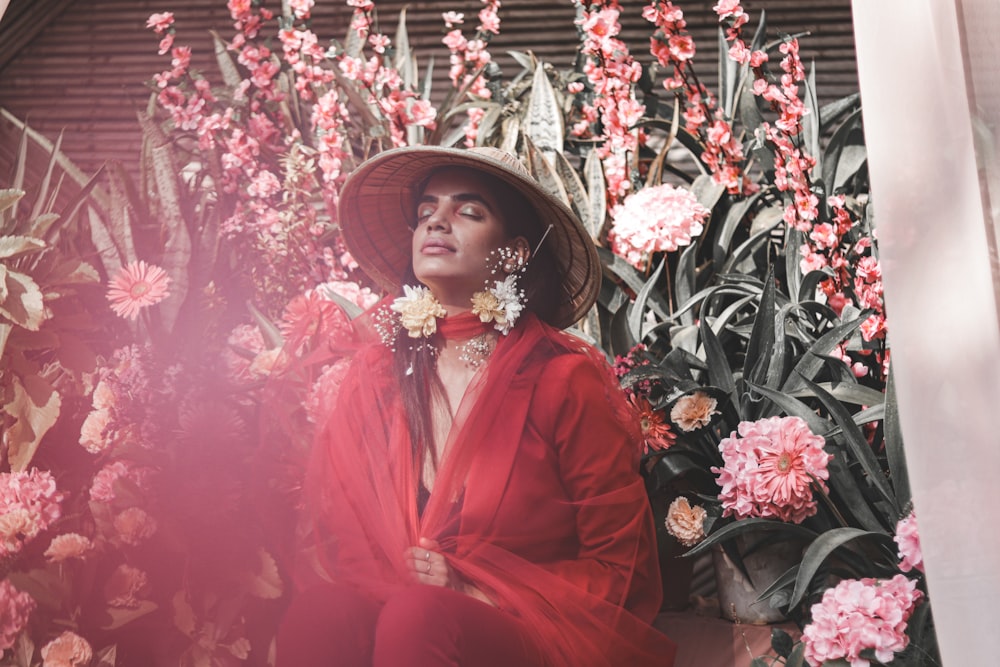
(378,203)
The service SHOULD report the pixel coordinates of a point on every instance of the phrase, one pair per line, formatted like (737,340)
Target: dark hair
(415,364)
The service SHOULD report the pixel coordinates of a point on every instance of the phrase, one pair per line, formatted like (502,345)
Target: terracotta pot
(737,593)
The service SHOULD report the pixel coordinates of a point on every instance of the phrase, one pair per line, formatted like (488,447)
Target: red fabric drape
(538,502)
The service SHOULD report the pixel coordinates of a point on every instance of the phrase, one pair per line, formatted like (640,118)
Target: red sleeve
(581,406)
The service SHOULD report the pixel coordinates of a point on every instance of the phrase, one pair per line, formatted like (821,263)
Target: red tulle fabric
(537,502)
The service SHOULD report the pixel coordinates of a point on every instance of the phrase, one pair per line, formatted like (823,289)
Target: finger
(428,543)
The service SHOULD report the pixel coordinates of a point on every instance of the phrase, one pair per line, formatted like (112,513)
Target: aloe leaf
(544,119)
(812,361)
(635,317)
(793,407)
(684,280)
(844,484)
(73,206)
(753,526)
(404,62)
(46,181)
(575,189)
(767,219)
(230,74)
(895,453)
(762,335)
(728,74)
(654,175)
(810,122)
(622,340)
(858,394)
(835,150)
(734,216)
(67,165)
(593,172)
(177,244)
(34,407)
(857,444)
(720,374)
(635,281)
(821,548)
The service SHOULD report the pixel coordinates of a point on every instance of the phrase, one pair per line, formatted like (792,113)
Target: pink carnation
(15,607)
(908,540)
(102,488)
(67,650)
(769,469)
(656,219)
(29,503)
(66,546)
(858,615)
(134,526)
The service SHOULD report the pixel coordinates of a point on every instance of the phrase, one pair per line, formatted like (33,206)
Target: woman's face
(458,227)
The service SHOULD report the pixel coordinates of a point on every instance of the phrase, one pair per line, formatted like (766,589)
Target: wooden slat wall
(85,70)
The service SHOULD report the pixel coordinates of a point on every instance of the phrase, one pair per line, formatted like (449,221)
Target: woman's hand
(429,566)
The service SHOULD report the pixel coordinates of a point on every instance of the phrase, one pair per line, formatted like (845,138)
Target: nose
(438,220)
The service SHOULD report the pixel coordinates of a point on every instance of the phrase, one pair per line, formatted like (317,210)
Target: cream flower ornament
(418,311)
(501,304)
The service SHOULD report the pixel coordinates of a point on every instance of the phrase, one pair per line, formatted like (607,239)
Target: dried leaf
(593,172)
(184,617)
(266,582)
(11,246)
(35,408)
(22,302)
(230,75)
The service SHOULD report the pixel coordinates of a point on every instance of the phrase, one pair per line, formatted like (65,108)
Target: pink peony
(656,219)
(68,545)
(908,540)
(858,615)
(15,607)
(67,650)
(29,504)
(769,469)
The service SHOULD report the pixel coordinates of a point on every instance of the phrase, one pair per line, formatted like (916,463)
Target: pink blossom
(29,504)
(769,469)
(160,22)
(452,19)
(68,545)
(67,650)
(656,219)
(861,615)
(301,8)
(15,608)
(908,540)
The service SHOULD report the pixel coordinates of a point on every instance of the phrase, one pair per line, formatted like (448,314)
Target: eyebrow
(461,196)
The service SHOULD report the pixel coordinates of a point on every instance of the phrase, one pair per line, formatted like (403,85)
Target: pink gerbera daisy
(136,286)
(656,433)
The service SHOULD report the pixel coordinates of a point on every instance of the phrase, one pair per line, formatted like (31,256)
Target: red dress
(538,502)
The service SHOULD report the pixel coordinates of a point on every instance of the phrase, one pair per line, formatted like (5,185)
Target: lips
(434,245)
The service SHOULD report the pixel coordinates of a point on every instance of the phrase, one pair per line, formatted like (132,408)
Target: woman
(478,477)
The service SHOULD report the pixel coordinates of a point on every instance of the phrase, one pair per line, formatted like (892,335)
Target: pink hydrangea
(126,587)
(858,615)
(769,469)
(15,607)
(656,219)
(29,503)
(908,540)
